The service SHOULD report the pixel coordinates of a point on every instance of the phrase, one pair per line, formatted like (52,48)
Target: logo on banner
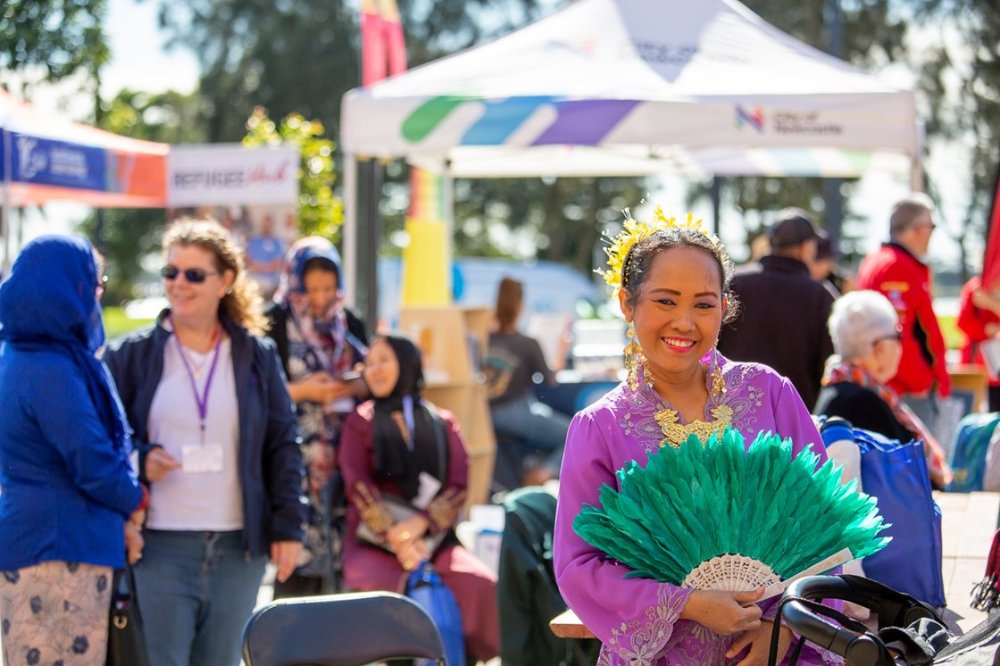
(753,117)
(30,162)
(804,123)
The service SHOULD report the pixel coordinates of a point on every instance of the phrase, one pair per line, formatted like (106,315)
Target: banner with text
(231,174)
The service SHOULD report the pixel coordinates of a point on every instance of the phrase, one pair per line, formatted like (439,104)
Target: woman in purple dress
(673,286)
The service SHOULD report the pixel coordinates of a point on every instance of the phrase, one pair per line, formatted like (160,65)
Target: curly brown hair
(242,304)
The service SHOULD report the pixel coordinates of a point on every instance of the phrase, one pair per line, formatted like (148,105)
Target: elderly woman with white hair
(867,341)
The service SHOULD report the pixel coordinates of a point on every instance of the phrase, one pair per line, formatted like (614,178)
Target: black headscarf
(396,460)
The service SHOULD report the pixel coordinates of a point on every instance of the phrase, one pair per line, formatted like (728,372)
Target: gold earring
(718,384)
(633,357)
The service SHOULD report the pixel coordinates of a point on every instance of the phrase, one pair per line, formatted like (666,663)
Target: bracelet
(144,502)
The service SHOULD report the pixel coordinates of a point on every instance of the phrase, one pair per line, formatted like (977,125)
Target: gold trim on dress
(677,433)
(373,513)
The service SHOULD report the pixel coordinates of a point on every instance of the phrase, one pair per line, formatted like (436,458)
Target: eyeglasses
(192,275)
(897,336)
(102,282)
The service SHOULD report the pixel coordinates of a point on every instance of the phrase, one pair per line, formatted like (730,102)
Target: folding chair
(340,630)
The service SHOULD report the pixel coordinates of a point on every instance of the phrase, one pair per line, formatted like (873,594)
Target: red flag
(383,48)
(991,259)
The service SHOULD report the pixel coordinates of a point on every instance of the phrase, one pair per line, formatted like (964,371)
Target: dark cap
(793,227)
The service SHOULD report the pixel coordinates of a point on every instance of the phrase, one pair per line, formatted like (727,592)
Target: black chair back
(340,630)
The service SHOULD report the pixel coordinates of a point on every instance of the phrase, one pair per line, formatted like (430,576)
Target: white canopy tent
(633,87)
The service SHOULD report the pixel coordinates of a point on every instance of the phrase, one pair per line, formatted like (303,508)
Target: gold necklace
(677,433)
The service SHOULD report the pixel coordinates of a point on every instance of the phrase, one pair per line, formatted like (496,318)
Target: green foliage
(60,36)
(127,236)
(116,324)
(959,83)
(320,211)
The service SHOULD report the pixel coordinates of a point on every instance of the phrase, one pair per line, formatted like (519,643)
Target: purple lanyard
(200,400)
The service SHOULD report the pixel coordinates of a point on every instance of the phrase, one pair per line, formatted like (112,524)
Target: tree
(127,236)
(320,211)
(959,82)
(59,37)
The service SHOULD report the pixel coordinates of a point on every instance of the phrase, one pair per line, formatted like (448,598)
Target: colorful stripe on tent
(578,122)
(121,177)
(426,195)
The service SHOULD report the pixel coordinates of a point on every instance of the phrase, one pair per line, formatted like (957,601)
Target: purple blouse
(637,619)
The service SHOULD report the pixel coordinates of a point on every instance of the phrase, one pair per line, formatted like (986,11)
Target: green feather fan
(706,516)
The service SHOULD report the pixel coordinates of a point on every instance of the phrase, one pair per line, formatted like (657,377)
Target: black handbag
(126,643)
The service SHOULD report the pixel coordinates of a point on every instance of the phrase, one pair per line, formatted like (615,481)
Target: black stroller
(909,631)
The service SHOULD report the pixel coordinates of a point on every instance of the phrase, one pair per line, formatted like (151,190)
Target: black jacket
(269,457)
(863,408)
(782,322)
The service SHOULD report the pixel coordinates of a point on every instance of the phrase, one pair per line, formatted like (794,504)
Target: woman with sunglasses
(216,430)
(68,487)
(868,344)
(319,343)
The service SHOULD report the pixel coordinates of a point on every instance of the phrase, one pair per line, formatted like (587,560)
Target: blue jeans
(196,590)
(534,423)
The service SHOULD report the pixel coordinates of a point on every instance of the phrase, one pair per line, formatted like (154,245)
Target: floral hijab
(332,345)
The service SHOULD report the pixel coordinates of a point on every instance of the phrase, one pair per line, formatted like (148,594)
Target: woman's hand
(285,556)
(724,612)
(159,464)
(319,387)
(411,554)
(759,640)
(406,532)
(133,542)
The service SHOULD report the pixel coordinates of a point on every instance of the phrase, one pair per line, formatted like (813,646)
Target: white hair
(858,319)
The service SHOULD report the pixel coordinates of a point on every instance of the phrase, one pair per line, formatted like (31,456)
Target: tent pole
(448,187)
(5,212)
(715,192)
(349,230)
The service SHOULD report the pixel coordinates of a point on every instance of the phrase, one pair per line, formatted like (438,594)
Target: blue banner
(50,162)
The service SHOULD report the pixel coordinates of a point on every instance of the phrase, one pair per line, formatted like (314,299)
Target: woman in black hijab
(406,471)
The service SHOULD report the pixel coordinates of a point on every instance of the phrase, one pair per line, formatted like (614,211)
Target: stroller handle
(857,647)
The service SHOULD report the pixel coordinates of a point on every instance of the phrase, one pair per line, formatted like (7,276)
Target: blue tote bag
(425,587)
(896,473)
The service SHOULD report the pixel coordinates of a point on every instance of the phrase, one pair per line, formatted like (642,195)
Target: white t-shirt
(196,500)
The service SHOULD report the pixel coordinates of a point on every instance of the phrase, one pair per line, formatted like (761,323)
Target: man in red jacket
(896,270)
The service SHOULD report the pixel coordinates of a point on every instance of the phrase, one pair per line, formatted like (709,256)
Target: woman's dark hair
(635,268)
(411,368)
(510,298)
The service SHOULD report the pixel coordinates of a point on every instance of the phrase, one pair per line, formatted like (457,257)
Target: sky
(139,59)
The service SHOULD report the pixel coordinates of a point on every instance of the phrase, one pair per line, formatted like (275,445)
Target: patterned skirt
(55,613)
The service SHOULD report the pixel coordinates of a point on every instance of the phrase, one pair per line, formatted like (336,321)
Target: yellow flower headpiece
(634,231)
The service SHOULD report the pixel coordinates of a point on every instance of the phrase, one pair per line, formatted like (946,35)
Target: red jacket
(906,282)
(972,321)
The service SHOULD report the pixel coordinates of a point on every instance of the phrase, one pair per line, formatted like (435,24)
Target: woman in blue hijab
(319,342)
(68,488)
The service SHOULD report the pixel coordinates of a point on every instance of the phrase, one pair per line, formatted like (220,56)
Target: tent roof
(633,86)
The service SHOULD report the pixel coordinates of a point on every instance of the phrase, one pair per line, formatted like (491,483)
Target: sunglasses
(192,275)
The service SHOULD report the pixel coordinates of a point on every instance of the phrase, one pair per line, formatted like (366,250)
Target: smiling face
(381,369)
(678,311)
(191,303)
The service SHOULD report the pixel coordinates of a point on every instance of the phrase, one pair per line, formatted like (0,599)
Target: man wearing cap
(783,311)
(896,270)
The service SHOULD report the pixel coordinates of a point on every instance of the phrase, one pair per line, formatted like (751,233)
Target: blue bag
(896,474)
(426,588)
(968,455)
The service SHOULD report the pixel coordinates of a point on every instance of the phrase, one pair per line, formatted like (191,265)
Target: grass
(117,324)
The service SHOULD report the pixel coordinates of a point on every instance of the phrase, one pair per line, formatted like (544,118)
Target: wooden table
(568,625)
(968,521)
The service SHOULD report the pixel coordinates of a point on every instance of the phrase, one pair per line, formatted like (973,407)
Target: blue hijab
(49,303)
